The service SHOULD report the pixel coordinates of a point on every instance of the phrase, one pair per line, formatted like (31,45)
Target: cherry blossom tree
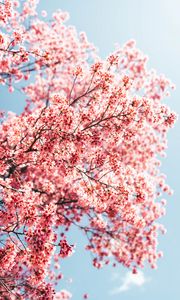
(85,152)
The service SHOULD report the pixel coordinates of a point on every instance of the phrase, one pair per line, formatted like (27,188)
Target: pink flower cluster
(66,250)
(85,152)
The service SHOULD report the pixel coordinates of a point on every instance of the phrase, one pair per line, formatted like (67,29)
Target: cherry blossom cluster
(66,250)
(85,152)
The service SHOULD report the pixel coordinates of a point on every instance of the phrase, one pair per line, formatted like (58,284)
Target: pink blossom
(84,152)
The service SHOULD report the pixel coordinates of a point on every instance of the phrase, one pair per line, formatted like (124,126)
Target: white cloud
(129,281)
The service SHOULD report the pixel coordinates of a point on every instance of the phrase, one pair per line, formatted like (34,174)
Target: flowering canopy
(84,152)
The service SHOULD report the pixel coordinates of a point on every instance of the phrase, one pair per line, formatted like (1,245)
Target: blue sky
(155,25)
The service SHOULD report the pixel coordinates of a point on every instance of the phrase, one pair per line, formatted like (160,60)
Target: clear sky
(155,25)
